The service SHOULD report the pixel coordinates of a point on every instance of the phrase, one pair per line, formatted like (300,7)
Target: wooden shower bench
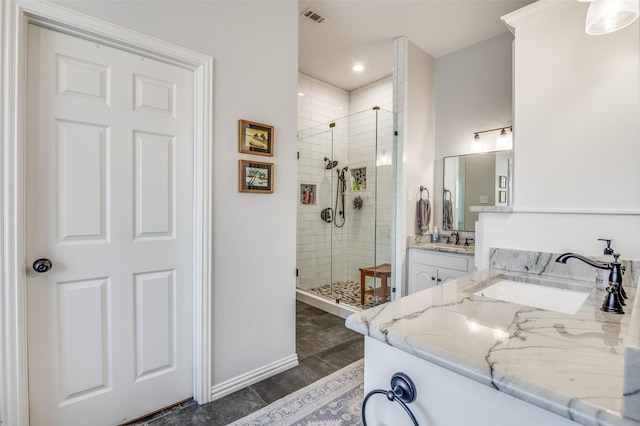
(381,271)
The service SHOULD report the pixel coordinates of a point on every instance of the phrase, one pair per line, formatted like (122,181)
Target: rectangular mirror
(482,179)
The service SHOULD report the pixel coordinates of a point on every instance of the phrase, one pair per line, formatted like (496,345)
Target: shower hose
(402,391)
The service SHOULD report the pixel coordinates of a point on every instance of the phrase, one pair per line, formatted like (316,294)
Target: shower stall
(346,209)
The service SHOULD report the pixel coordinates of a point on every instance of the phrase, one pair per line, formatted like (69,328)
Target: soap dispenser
(434,237)
(602,275)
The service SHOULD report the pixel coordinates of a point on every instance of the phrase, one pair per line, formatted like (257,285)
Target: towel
(423,216)
(447,215)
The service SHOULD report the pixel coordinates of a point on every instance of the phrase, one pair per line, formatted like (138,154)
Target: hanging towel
(423,216)
(447,218)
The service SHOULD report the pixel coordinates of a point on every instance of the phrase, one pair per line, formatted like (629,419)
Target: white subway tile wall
(327,253)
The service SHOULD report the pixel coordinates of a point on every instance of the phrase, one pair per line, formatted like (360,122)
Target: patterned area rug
(348,292)
(331,401)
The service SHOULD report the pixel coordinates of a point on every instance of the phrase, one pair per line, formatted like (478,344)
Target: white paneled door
(109,202)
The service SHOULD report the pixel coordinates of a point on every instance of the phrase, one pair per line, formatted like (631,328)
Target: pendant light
(606,16)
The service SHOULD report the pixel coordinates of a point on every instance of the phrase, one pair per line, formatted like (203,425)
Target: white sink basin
(538,296)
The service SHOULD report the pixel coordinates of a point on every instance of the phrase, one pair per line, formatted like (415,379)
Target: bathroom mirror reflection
(482,179)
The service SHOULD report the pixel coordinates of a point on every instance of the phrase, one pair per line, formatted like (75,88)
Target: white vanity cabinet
(428,268)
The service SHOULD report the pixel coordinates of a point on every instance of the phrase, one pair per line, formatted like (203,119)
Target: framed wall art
(255,138)
(255,176)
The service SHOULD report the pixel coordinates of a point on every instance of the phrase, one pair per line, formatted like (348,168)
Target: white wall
(473,93)
(576,144)
(255,79)
(414,103)
(420,136)
(577,109)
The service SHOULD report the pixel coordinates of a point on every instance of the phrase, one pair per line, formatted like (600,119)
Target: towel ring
(423,188)
(402,391)
(446,191)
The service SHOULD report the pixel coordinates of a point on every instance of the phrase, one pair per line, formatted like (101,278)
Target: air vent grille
(313,15)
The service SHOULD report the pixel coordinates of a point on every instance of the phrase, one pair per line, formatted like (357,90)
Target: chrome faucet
(615,293)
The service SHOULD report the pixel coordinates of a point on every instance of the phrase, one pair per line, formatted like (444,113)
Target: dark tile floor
(323,344)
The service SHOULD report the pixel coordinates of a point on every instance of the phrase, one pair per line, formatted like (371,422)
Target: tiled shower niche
(359,176)
(307,193)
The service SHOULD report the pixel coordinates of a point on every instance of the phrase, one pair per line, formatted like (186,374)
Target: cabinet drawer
(459,262)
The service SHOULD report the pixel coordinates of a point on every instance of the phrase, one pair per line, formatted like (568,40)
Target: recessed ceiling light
(300,94)
(358,67)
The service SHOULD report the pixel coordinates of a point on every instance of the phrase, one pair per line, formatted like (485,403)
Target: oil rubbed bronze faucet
(457,235)
(615,293)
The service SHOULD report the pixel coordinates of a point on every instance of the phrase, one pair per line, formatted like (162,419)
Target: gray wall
(473,93)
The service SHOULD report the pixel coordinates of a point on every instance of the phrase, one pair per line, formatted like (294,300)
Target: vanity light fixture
(503,142)
(607,16)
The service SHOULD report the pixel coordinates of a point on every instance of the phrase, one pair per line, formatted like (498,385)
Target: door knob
(42,265)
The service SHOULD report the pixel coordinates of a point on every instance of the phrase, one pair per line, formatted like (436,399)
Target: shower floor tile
(348,292)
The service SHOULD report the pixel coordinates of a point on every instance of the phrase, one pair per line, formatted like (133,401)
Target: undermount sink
(538,296)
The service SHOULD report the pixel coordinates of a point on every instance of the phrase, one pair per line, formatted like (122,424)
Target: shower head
(329,164)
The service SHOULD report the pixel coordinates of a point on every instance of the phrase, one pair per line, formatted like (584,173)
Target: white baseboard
(240,382)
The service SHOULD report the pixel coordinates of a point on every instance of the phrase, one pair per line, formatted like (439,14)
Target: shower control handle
(327,215)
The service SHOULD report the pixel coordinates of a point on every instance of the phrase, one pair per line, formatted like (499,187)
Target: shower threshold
(339,309)
(342,295)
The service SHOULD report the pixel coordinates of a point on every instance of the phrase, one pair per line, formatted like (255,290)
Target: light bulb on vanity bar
(504,140)
(476,143)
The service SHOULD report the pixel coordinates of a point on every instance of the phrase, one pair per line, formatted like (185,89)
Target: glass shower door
(346,230)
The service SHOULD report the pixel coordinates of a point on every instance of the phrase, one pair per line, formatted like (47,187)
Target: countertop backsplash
(542,263)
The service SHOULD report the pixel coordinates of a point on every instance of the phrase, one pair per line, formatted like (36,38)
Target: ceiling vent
(313,15)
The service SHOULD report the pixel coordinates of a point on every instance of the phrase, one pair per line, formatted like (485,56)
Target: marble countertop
(572,365)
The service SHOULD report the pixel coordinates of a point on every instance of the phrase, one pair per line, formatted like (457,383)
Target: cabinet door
(421,277)
(445,275)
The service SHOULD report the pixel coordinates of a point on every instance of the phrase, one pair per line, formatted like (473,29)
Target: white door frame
(15,15)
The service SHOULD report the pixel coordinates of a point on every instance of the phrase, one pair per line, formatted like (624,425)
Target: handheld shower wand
(341,189)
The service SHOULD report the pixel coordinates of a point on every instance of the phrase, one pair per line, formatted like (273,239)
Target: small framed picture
(502,182)
(502,196)
(255,176)
(255,138)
